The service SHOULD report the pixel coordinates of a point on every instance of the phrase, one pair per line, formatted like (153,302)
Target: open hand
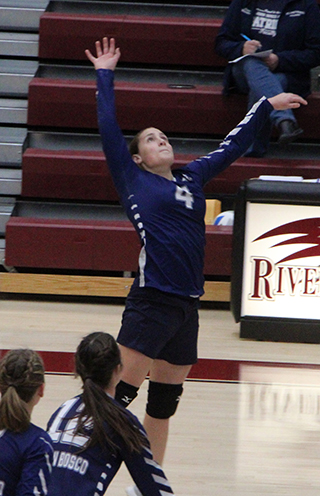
(284,101)
(107,55)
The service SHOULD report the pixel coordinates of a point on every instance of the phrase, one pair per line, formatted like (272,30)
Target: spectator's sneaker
(133,491)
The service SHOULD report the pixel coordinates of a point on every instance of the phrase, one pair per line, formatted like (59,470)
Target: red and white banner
(281,272)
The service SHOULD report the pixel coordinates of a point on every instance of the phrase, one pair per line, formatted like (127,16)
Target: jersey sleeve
(37,467)
(123,169)
(235,144)
(146,473)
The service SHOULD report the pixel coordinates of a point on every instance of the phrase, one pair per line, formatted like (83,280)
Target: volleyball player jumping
(167,208)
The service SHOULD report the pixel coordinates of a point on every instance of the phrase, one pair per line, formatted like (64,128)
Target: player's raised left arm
(284,101)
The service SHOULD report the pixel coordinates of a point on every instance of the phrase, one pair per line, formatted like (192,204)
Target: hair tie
(11,384)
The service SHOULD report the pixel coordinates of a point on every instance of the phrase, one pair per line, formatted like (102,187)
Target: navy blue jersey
(25,462)
(88,472)
(169,215)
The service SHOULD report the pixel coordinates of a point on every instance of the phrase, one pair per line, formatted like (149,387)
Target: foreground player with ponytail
(167,207)
(25,449)
(92,434)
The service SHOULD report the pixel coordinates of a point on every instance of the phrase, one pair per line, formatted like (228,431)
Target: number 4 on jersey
(184,195)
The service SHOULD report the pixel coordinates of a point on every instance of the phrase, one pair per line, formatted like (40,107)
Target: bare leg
(158,429)
(135,366)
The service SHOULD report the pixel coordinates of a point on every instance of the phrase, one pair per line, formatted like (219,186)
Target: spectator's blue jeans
(253,77)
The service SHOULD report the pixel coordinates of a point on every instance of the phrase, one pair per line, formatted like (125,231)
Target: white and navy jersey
(88,472)
(25,462)
(169,215)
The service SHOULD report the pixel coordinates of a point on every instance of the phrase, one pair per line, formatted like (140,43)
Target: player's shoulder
(38,436)
(33,440)
(69,406)
(36,430)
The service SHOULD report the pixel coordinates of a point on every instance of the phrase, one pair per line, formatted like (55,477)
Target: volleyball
(224,218)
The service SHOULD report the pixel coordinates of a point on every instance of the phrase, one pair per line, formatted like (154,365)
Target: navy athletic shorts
(161,325)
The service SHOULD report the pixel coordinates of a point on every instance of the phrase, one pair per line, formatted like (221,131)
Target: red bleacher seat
(95,245)
(84,175)
(202,109)
(229,181)
(67,174)
(71,244)
(143,39)
(71,104)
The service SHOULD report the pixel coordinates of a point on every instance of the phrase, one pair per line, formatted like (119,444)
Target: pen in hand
(254,45)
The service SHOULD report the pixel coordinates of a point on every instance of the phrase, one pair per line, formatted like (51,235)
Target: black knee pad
(125,393)
(163,399)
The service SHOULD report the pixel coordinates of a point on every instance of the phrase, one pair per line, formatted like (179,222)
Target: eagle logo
(306,231)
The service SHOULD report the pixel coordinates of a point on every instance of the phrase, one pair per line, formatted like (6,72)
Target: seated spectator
(290,30)
(92,434)
(25,449)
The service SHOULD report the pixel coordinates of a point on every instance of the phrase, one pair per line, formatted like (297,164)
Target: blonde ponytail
(21,374)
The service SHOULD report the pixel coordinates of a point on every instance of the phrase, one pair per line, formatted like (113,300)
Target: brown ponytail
(21,374)
(96,358)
